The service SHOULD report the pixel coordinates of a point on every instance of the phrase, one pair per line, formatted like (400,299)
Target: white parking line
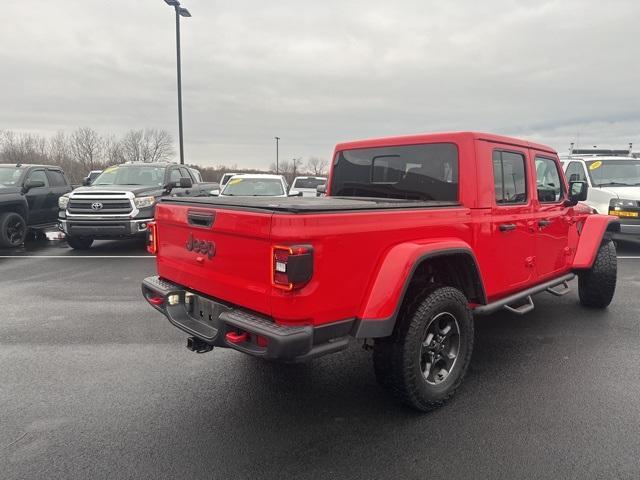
(628,257)
(76,256)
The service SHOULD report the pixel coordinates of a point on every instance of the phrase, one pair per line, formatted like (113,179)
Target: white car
(306,186)
(255,185)
(614,188)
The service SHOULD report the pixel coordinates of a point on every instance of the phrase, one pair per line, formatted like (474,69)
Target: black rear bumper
(211,321)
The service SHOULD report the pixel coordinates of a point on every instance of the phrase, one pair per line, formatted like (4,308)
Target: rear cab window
(509,178)
(424,172)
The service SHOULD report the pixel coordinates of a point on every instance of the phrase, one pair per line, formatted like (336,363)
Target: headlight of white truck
(621,207)
(63,201)
(143,202)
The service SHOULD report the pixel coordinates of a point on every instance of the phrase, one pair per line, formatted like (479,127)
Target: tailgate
(219,252)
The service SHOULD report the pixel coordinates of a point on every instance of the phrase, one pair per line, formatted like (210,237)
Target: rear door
(551,219)
(512,242)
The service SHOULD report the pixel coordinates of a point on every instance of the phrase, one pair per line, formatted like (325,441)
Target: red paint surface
(363,259)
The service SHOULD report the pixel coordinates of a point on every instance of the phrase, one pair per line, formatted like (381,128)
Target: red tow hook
(233,337)
(156,300)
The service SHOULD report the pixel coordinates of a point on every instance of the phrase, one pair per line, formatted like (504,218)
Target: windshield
(253,187)
(308,182)
(10,176)
(146,175)
(614,173)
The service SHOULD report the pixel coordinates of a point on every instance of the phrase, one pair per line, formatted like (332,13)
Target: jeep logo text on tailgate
(201,246)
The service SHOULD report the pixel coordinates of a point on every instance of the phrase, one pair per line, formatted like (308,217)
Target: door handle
(544,223)
(507,227)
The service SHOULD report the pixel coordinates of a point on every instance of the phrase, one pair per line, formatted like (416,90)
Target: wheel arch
(15,207)
(595,230)
(408,269)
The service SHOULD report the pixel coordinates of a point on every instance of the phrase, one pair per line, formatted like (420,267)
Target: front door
(551,220)
(512,239)
(37,197)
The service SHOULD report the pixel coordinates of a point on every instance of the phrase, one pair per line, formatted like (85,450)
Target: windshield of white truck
(253,187)
(9,176)
(410,172)
(614,173)
(145,175)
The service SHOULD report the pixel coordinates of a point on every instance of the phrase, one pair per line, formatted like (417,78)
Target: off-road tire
(80,243)
(13,229)
(397,359)
(597,285)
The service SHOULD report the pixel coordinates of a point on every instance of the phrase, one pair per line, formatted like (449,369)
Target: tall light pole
(277,155)
(180,12)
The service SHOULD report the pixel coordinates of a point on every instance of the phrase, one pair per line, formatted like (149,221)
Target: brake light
(291,267)
(152,238)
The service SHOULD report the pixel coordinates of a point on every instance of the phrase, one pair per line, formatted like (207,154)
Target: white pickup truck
(614,188)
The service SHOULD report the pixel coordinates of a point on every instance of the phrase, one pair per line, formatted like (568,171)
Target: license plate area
(205,310)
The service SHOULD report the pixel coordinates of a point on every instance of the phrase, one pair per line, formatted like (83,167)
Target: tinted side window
(184,173)
(410,172)
(575,172)
(39,175)
(56,178)
(548,181)
(509,178)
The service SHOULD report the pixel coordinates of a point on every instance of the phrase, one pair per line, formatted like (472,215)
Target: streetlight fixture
(180,12)
(277,145)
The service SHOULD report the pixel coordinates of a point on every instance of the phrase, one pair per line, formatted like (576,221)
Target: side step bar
(516,298)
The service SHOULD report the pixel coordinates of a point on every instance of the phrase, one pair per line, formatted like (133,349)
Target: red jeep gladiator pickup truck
(416,236)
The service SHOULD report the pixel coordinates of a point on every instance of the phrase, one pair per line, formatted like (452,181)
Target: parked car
(121,202)
(306,186)
(415,237)
(225,178)
(29,200)
(614,188)
(255,185)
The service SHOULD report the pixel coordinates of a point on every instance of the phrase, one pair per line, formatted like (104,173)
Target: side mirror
(321,190)
(215,192)
(86,181)
(577,192)
(29,184)
(170,186)
(185,183)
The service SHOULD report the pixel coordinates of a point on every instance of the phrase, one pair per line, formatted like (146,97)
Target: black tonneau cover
(307,204)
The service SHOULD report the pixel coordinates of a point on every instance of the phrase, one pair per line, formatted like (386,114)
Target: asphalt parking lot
(96,384)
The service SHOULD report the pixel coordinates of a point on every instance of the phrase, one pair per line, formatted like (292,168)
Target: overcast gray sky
(315,73)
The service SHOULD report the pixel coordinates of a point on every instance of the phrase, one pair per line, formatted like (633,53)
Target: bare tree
(317,166)
(157,146)
(148,145)
(114,151)
(87,147)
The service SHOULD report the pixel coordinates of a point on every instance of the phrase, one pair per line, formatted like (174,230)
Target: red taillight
(291,267)
(152,238)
